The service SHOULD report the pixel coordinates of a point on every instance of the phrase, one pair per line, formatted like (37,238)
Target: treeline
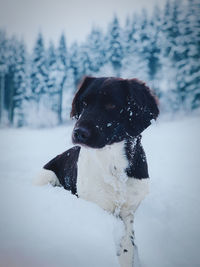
(162,49)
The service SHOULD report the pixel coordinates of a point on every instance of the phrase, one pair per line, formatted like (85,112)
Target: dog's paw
(46,177)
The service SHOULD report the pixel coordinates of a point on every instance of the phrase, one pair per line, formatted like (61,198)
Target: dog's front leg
(128,254)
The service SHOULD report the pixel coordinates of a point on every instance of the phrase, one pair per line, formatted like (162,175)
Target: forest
(161,48)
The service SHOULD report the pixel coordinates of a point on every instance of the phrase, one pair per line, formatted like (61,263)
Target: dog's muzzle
(80,135)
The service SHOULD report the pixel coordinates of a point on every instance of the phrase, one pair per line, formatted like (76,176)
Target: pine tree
(168,72)
(3,71)
(63,64)
(20,84)
(115,49)
(127,35)
(52,68)
(85,60)
(39,74)
(192,52)
(130,35)
(15,81)
(95,50)
(148,46)
(10,89)
(183,44)
(75,63)
(40,111)
(154,48)
(135,65)
(52,81)
(167,28)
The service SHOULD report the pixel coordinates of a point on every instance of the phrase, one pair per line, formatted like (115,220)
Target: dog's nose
(80,135)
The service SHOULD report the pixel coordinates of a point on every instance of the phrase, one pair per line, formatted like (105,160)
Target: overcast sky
(73,17)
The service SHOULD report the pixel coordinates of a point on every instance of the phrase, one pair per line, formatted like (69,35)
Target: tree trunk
(11,103)
(60,100)
(2,91)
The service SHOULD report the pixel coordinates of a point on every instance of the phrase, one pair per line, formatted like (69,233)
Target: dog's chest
(102,179)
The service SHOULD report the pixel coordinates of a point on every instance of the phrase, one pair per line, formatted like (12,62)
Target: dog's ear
(65,168)
(76,105)
(142,107)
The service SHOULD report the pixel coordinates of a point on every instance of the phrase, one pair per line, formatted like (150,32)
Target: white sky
(75,18)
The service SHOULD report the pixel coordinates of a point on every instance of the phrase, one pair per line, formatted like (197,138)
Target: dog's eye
(110,106)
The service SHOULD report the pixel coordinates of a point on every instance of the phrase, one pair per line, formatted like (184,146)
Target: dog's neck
(128,155)
(109,159)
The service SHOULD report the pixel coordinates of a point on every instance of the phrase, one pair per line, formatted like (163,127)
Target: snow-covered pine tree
(191,71)
(3,71)
(177,53)
(115,49)
(134,65)
(180,62)
(40,113)
(68,94)
(85,61)
(52,81)
(95,50)
(39,74)
(63,65)
(169,100)
(130,35)
(75,63)
(130,49)
(9,93)
(145,41)
(167,27)
(127,34)
(185,55)
(20,84)
(154,50)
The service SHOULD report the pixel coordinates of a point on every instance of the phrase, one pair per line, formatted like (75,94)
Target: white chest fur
(102,179)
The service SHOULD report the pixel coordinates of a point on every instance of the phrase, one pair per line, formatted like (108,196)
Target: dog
(107,164)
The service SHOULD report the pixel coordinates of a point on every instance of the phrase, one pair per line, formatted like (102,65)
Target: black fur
(65,168)
(137,159)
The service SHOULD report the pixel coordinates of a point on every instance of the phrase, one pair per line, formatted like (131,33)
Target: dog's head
(110,109)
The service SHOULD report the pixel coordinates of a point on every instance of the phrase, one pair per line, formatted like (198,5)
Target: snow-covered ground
(49,227)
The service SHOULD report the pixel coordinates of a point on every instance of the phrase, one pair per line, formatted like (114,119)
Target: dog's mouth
(88,145)
(79,143)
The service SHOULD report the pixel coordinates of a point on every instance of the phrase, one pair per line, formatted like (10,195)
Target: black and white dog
(108,164)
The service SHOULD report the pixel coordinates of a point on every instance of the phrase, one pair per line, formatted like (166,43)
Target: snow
(167,222)
(47,226)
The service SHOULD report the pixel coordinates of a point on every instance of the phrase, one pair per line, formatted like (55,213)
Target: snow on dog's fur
(108,164)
